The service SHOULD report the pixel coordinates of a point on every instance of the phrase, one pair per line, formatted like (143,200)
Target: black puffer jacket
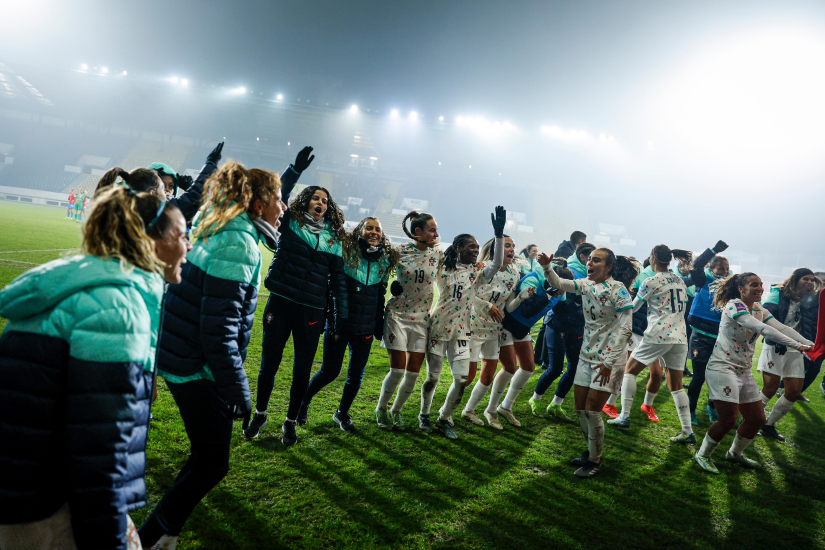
(307,267)
(366,291)
(778,304)
(190,201)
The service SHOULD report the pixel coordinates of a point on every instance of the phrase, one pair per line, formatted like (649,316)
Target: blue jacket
(521,320)
(208,317)
(76,369)
(307,267)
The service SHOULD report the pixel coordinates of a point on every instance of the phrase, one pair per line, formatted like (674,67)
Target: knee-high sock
(765,399)
(584,426)
(595,435)
(388,388)
(682,402)
(479,391)
(612,399)
(740,444)
(434,365)
(780,409)
(461,371)
(628,393)
(405,389)
(649,397)
(708,446)
(517,384)
(499,385)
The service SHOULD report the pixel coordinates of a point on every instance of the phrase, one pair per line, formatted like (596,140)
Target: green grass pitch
(510,489)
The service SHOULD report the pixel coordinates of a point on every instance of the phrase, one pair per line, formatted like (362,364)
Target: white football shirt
(600,303)
(735,343)
(666,296)
(416,272)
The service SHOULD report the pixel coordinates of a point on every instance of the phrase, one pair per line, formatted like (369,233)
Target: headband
(159,213)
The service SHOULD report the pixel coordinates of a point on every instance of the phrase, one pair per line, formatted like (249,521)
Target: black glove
(379,330)
(780,349)
(240,410)
(215,156)
(184,182)
(720,247)
(499,220)
(396,289)
(303,160)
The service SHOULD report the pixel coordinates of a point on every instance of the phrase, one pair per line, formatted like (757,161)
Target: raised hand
(396,288)
(499,220)
(543,259)
(215,156)
(720,247)
(184,182)
(303,160)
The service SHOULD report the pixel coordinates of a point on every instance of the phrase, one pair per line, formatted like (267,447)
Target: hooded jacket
(208,317)
(76,364)
(778,303)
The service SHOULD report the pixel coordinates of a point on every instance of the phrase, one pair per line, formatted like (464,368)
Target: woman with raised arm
(407,316)
(459,277)
(77,361)
(730,382)
(207,327)
(368,261)
(608,317)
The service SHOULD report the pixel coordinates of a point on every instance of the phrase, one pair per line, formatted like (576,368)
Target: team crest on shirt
(472,278)
(331,242)
(268,317)
(696,353)
(770,364)
(432,262)
(433,343)
(509,285)
(727,391)
(603,299)
(391,338)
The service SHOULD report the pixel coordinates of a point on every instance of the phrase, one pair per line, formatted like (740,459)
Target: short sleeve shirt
(735,344)
(450,318)
(497,293)
(601,303)
(666,297)
(416,272)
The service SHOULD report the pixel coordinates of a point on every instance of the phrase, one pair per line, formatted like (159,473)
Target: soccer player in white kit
(664,340)
(459,277)
(487,341)
(407,316)
(730,382)
(607,328)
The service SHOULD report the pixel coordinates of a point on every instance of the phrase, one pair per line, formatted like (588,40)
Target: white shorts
(635,340)
(404,336)
(484,349)
(586,376)
(732,385)
(790,365)
(507,339)
(454,349)
(671,356)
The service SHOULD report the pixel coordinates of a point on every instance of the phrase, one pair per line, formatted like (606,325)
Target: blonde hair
(233,183)
(116,227)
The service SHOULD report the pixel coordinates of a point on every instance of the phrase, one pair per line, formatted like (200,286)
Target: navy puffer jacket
(189,202)
(778,303)
(76,362)
(366,290)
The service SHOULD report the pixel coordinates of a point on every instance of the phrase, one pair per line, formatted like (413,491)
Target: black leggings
(696,383)
(283,317)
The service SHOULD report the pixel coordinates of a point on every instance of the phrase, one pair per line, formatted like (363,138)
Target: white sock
(517,384)
(782,407)
(499,385)
(708,446)
(537,397)
(649,397)
(405,389)
(388,388)
(461,371)
(166,542)
(434,365)
(765,399)
(612,399)
(478,393)
(628,393)
(595,435)
(584,426)
(682,402)
(260,412)
(558,400)
(739,444)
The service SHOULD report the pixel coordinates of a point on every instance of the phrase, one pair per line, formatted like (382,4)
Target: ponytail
(139,180)
(664,255)
(625,270)
(728,289)
(450,257)
(417,220)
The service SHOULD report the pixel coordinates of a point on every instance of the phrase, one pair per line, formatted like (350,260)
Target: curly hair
(450,257)
(230,192)
(334,215)
(352,252)
(728,289)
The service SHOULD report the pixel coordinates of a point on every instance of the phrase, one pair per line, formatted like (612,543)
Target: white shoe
(492,419)
(508,416)
(472,417)
(166,543)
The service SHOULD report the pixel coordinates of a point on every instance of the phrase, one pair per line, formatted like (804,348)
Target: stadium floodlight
(125,73)
(413,115)
(104,70)
(184,82)
(354,156)
(173,80)
(459,120)
(439,163)
(394,113)
(280,97)
(471,167)
(257,139)
(441,119)
(84,67)
(373,158)
(238,91)
(288,144)
(353,109)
